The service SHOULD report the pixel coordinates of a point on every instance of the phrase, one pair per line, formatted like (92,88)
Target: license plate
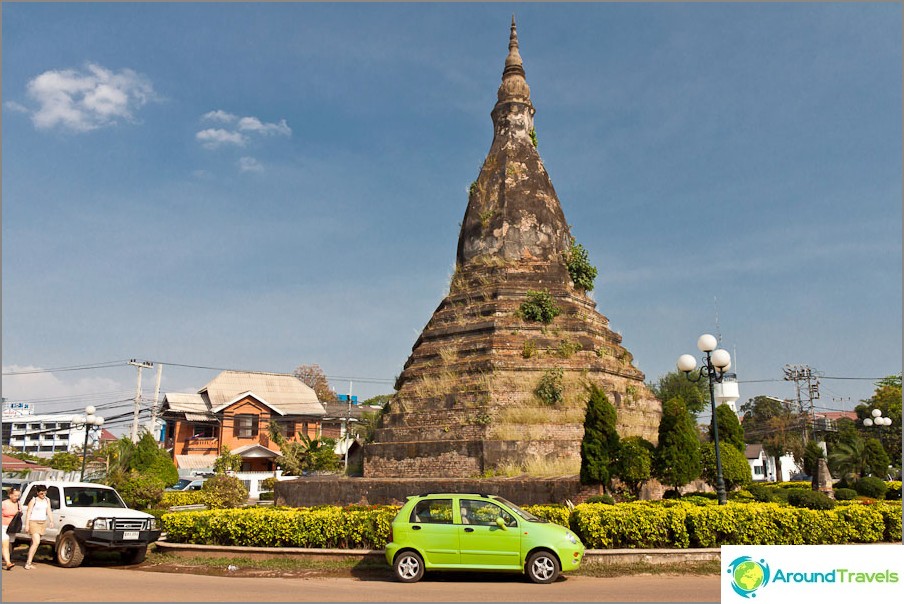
(126,535)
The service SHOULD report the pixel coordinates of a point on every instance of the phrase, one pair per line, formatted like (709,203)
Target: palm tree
(849,458)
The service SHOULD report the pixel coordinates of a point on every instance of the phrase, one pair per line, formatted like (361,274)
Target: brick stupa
(466,403)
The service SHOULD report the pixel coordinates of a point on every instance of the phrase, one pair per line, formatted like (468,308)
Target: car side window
(53,494)
(475,511)
(432,511)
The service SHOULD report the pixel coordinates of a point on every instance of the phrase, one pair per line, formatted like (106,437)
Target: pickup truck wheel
(135,555)
(70,552)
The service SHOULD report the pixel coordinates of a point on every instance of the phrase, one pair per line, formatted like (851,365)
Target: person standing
(11,507)
(38,517)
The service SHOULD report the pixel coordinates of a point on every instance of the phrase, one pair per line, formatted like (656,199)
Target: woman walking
(38,517)
(11,508)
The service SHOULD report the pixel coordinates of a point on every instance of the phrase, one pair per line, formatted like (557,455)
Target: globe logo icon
(748,575)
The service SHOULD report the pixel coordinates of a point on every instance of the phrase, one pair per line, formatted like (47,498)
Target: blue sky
(257,186)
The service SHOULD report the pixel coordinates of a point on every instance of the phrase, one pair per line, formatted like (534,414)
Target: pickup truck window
(92,497)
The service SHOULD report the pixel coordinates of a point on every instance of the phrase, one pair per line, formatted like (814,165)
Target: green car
(457,531)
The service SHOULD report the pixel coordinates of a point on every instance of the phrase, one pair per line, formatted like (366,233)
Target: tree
(771,422)
(313,376)
(65,461)
(735,469)
(599,446)
(148,458)
(675,384)
(297,457)
(223,491)
(730,430)
(634,462)
(677,458)
(858,457)
(812,454)
(227,462)
(886,398)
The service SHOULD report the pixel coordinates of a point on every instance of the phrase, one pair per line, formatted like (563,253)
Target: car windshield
(521,513)
(183,482)
(92,497)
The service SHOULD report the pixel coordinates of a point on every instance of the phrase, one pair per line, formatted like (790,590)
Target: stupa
(487,391)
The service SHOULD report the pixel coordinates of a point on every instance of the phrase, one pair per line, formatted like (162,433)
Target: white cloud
(81,101)
(219,116)
(54,393)
(252,124)
(216,137)
(249,164)
(213,138)
(17,107)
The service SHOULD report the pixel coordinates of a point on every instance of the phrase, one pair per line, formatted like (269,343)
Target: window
(474,511)
(203,431)
(245,426)
(759,470)
(286,427)
(433,511)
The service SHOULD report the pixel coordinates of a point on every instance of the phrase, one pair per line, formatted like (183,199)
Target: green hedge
(321,527)
(640,524)
(171,498)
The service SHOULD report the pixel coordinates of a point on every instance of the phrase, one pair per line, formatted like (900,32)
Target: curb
(602,556)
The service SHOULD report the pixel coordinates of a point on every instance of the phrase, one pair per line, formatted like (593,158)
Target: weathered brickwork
(467,402)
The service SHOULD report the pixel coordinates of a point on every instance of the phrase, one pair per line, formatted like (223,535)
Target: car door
(433,533)
(50,533)
(483,543)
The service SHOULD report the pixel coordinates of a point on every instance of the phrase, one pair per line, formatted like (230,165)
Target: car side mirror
(500,522)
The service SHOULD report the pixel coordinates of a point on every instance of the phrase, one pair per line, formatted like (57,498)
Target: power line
(104,365)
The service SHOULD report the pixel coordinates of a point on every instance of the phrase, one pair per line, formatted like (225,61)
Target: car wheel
(542,567)
(408,567)
(70,552)
(135,555)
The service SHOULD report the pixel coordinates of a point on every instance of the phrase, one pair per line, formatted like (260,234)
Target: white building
(42,435)
(765,468)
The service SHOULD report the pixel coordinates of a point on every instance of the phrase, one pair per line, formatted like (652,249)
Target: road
(49,583)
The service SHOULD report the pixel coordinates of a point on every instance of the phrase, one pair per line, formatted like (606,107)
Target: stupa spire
(514,85)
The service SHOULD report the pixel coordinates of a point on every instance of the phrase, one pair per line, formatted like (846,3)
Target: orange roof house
(235,409)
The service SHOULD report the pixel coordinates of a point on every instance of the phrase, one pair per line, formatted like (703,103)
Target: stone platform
(309,491)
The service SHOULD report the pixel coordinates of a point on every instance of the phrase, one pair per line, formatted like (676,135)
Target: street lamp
(89,421)
(716,362)
(876,419)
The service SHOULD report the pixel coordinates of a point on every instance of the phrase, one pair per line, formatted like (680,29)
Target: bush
(171,498)
(843,494)
(893,493)
(761,493)
(671,494)
(265,496)
(813,500)
(870,486)
(579,268)
(141,491)
(268,484)
(222,491)
(551,389)
(539,307)
(607,499)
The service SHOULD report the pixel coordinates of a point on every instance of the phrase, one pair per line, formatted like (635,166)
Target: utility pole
(140,365)
(348,420)
(152,425)
(800,374)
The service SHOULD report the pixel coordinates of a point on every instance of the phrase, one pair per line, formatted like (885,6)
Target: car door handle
(415,528)
(469,530)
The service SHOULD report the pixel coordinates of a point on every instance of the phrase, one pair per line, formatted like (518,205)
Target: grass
(297,565)
(604,570)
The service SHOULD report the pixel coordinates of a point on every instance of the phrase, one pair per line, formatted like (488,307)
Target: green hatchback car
(458,531)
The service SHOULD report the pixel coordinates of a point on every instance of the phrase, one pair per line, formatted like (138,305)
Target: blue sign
(343,398)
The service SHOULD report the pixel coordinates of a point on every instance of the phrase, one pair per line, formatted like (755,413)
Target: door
(483,543)
(433,533)
(50,534)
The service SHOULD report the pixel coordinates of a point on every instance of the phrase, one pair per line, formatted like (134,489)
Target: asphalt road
(49,583)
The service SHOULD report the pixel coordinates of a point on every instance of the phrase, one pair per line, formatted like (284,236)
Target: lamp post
(89,421)
(876,418)
(715,363)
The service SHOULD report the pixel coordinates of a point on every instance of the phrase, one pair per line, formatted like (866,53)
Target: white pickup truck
(90,516)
